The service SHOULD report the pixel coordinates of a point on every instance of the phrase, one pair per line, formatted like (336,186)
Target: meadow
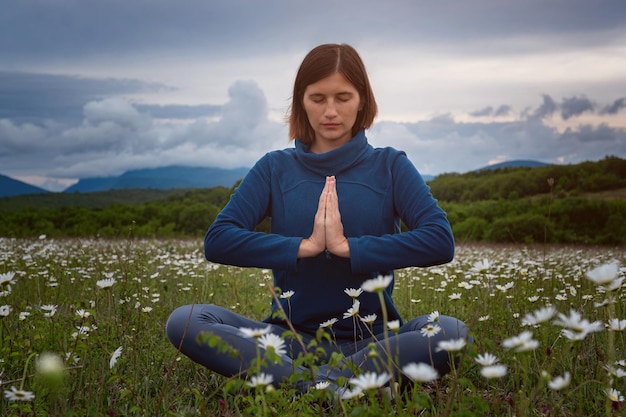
(82,333)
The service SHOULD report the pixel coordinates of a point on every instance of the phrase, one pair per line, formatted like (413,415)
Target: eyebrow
(341,93)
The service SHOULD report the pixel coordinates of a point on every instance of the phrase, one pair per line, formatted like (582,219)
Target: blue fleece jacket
(376,187)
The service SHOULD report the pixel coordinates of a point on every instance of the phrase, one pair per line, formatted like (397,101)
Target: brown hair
(320,62)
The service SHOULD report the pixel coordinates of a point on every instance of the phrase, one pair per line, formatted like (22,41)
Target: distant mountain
(515,164)
(162,178)
(10,187)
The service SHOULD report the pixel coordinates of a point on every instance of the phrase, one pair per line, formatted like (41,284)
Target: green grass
(155,276)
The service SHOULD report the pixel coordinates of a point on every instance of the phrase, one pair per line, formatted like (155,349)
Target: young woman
(335,204)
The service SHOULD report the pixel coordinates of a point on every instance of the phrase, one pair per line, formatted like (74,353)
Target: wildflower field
(82,334)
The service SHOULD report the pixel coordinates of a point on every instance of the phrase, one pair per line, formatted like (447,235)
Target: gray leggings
(186,323)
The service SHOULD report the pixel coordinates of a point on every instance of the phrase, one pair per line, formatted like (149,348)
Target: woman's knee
(182,320)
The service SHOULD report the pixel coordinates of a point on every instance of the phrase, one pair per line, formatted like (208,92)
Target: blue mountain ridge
(162,178)
(517,163)
(10,187)
(176,177)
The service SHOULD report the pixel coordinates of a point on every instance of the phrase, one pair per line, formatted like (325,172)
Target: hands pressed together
(327,227)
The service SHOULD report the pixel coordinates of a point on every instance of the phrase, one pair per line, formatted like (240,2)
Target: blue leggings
(186,323)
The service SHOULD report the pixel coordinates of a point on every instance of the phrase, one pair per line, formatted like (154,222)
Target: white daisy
(287,294)
(354,293)
(271,340)
(369,319)
(613,394)
(106,283)
(15,394)
(352,311)
(370,380)
(260,380)
(539,316)
(433,317)
(115,356)
(616,325)
(452,345)
(430,329)
(329,323)
(560,382)
(377,284)
(393,325)
(493,371)
(420,372)
(255,333)
(486,359)
(603,274)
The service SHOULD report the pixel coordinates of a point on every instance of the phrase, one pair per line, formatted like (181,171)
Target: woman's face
(331,105)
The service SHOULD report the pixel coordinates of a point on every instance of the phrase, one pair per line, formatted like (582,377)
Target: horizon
(458,85)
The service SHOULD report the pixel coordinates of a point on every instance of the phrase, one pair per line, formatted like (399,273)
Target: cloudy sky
(97,88)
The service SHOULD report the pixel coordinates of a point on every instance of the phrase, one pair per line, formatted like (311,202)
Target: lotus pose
(336,205)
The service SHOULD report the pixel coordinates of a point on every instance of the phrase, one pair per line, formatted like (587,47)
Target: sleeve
(231,239)
(429,240)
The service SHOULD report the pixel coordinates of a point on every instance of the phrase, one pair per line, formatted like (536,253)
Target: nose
(330,111)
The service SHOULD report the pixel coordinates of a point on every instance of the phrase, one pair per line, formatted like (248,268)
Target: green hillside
(572,204)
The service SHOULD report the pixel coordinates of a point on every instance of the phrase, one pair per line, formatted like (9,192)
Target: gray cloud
(547,108)
(179,111)
(31,32)
(503,110)
(574,106)
(487,111)
(614,108)
(33,97)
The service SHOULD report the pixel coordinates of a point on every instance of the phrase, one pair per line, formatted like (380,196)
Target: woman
(335,204)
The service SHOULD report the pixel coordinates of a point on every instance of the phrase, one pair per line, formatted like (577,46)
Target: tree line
(570,204)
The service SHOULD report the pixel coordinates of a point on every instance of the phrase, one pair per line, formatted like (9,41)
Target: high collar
(335,161)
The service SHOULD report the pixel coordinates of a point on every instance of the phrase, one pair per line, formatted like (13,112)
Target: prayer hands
(327,227)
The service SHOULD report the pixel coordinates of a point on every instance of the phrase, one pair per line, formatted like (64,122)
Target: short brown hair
(320,62)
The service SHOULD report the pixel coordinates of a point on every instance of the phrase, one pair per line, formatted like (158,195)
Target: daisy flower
(377,284)
(106,283)
(430,329)
(15,394)
(50,310)
(521,343)
(322,385)
(7,278)
(455,296)
(577,328)
(83,314)
(613,394)
(560,382)
(393,325)
(481,266)
(603,274)
(369,319)
(617,325)
(255,333)
(287,294)
(433,317)
(420,372)
(493,371)
(539,316)
(5,310)
(451,345)
(271,340)
(370,380)
(487,359)
(260,380)
(352,311)
(115,356)
(329,323)
(354,293)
